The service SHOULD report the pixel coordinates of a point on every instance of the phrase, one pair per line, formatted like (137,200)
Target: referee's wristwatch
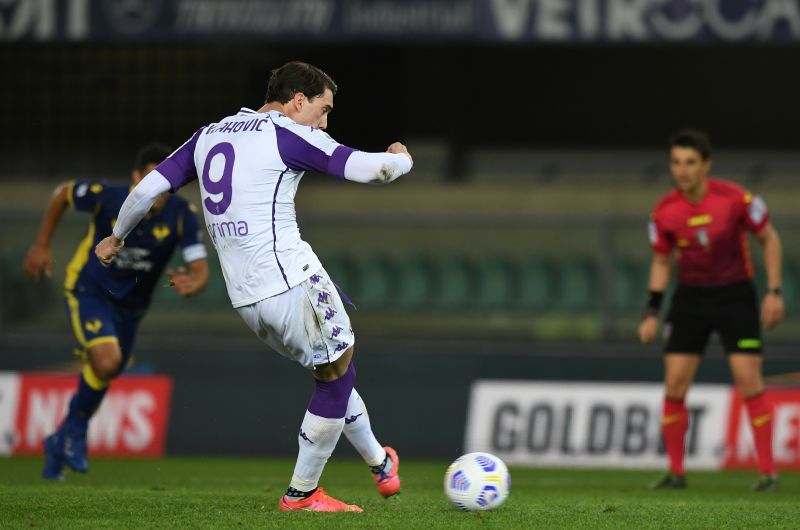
(775,290)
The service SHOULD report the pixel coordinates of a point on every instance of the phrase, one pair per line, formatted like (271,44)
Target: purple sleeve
(178,168)
(301,155)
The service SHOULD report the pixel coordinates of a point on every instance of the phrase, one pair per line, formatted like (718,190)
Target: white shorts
(307,323)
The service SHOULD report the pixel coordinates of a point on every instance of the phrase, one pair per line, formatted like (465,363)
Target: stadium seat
(496,287)
(576,285)
(630,284)
(375,282)
(415,277)
(535,288)
(455,278)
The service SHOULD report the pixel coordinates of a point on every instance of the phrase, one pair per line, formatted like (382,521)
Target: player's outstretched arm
(660,271)
(772,306)
(188,283)
(378,168)
(40,258)
(135,207)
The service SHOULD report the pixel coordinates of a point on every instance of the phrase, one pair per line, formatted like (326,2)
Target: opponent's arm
(187,283)
(660,270)
(40,256)
(772,306)
(378,168)
(133,210)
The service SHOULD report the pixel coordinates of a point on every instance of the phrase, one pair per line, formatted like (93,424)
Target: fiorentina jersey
(249,166)
(710,236)
(133,274)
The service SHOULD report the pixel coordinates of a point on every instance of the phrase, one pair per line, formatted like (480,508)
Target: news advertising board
(619,425)
(131,421)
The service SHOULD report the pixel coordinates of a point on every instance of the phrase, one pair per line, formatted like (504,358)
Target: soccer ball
(477,482)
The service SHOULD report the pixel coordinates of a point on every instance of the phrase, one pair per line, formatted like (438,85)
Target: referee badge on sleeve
(652,232)
(757,210)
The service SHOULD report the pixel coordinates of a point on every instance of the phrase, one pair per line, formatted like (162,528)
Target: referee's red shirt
(710,236)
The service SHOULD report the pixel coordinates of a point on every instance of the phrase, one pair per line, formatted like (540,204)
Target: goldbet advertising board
(619,425)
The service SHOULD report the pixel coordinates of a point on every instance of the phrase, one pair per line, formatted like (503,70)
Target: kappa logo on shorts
(342,346)
(330,313)
(314,278)
(336,331)
(323,298)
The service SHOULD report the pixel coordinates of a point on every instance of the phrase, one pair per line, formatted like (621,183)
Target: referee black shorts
(730,310)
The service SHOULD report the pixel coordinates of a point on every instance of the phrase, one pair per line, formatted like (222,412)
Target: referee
(705,220)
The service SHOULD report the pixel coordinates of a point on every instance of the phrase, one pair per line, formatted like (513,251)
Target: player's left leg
(383,461)
(740,330)
(747,376)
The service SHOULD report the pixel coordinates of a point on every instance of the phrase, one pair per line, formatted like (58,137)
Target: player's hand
(397,147)
(39,258)
(182,281)
(772,310)
(648,329)
(108,248)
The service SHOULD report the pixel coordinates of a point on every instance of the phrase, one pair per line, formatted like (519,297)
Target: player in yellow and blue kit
(106,303)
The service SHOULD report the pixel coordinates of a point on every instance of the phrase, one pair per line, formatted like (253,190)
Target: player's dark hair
(153,153)
(295,77)
(694,139)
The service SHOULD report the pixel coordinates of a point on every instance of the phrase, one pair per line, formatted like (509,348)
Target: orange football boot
(389,483)
(319,501)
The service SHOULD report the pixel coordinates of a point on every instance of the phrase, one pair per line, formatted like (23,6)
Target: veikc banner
(464,21)
(131,421)
(619,425)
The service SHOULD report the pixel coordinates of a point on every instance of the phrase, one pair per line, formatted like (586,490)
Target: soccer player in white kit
(249,166)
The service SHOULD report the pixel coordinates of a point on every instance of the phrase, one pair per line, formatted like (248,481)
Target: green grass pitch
(243,493)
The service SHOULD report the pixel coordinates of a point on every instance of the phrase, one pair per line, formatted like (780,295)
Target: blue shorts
(95,320)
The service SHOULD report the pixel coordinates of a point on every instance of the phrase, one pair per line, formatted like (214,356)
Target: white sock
(359,431)
(317,439)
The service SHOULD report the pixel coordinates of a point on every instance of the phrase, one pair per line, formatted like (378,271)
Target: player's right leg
(308,324)
(93,325)
(687,329)
(679,372)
